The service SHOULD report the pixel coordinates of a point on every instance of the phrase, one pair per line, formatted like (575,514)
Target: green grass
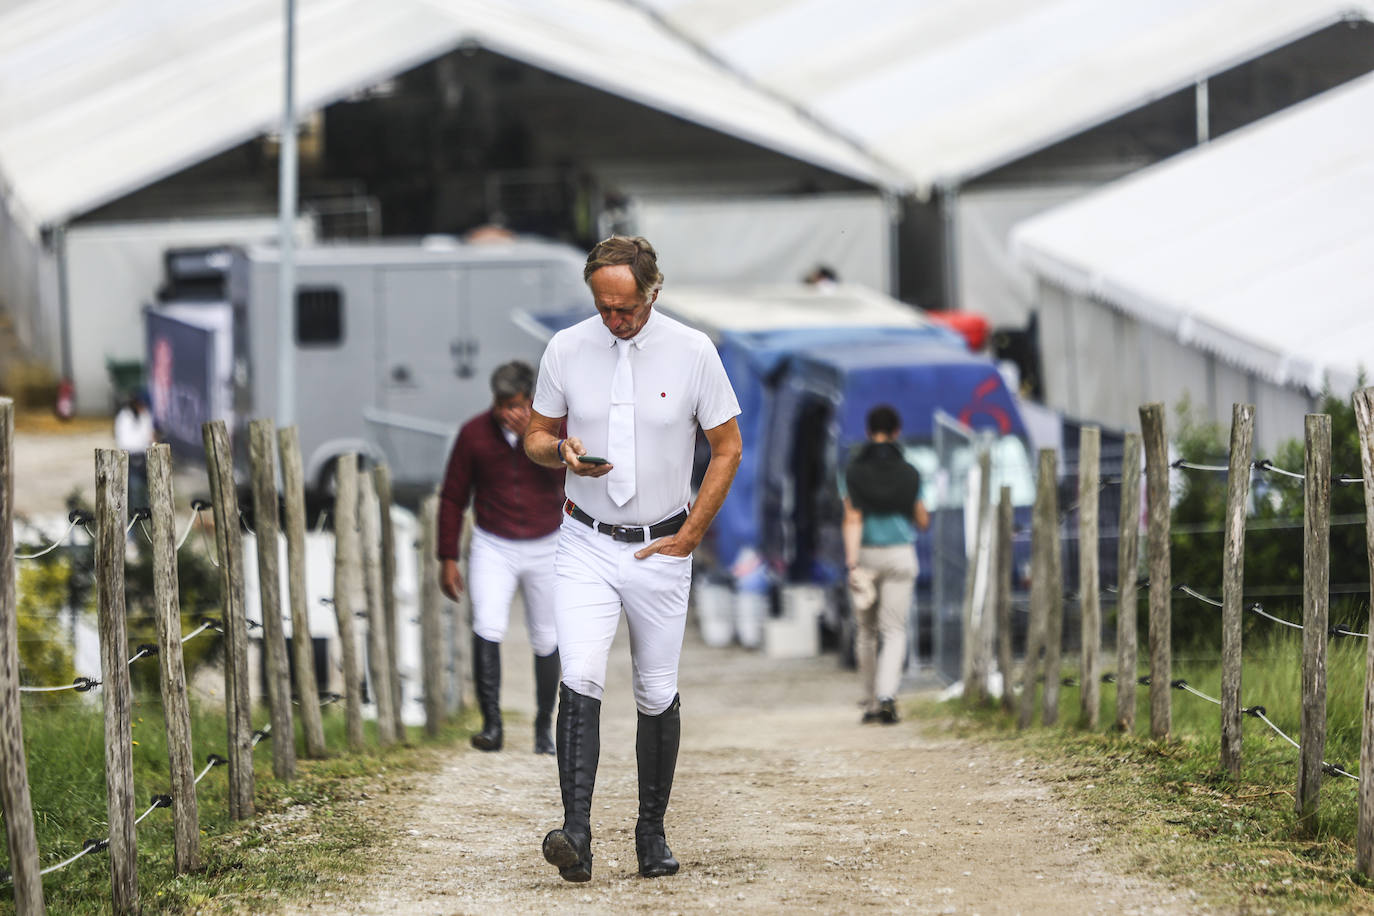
(1169,810)
(306,833)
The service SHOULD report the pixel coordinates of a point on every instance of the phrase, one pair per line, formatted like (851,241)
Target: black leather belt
(630,534)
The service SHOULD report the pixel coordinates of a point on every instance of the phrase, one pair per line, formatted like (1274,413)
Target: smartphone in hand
(591,459)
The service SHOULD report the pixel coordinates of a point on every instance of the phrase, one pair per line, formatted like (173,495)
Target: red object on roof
(973,326)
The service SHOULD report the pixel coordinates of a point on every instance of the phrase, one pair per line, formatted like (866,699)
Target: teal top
(883,530)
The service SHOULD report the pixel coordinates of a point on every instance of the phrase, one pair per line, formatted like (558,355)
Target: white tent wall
(987,278)
(1101,364)
(769,239)
(114,269)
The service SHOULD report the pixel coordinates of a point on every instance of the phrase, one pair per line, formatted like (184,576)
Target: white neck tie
(620,429)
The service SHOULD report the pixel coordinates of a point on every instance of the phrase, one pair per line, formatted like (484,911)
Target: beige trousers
(894,573)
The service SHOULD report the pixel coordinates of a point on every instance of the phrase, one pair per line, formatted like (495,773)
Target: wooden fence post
(172,668)
(1004,568)
(1042,530)
(229,541)
(1316,600)
(1161,580)
(278,670)
(382,477)
(14,774)
(1233,582)
(1364,835)
(111,503)
(346,563)
(1054,609)
(1127,572)
(378,652)
(1089,579)
(971,671)
(302,645)
(431,636)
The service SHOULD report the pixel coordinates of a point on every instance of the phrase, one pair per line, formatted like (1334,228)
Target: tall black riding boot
(579,749)
(547,671)
(486,678)
(656,752)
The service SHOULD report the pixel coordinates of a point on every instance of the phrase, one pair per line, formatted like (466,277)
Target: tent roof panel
(1258,247)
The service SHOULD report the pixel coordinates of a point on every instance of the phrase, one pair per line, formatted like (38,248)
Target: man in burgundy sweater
(518,507)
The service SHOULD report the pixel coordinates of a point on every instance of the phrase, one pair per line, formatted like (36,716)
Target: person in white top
(134,431)
(634,386)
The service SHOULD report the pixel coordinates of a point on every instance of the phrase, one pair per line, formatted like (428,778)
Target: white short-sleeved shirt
(679,384)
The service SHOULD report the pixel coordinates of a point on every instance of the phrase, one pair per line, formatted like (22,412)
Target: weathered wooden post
(1089,579)
(1054,613)
(175,705)
(1043,531)
(431,634)
(229,542)
(1233,582)
(378,652)
(1364,836)
(302,646)
(1004,564)
(14,773)
(382,479)
(1316,600)
(346,562)
(1127,572)
(1161,579)
(975,585)
(111,502)
(262,452)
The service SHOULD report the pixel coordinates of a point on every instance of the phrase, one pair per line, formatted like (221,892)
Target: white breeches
(496,566)
(597,576)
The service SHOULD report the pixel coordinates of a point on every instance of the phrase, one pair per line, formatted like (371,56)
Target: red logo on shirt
(663,394)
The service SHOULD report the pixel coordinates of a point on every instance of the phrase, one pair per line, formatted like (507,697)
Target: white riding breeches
(597,576)
(496,566)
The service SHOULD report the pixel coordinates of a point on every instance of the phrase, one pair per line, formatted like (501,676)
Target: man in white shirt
(134,432)
(634,386)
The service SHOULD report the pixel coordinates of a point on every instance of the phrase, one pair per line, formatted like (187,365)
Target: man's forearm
(542,448)
(720,473)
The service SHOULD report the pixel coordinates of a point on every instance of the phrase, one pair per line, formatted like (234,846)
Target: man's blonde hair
(633,251)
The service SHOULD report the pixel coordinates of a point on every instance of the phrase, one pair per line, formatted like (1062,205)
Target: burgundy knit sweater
(512,496)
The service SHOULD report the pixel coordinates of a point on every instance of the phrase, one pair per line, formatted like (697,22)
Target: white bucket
(751,610)
(714,612)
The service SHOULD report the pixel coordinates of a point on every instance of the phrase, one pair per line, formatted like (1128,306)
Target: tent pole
(286,238)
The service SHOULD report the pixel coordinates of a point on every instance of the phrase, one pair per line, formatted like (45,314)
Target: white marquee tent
(1240,271)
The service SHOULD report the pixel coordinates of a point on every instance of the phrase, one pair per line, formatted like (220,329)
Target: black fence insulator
(83,684)
(201,504)
(1333,769)
(1177,463)
(96,845)
(1109,678)
(362,614)
(141,512)
(148,649)
(330,696)
(327,600)
(215,760)
(262,734)
(161,801)
(1068,682)
(1340,629)
(1178,683)
(253,624)
(80,517)
(1255,711)
(1143,680)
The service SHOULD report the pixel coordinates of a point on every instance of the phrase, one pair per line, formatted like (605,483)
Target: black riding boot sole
(560,850)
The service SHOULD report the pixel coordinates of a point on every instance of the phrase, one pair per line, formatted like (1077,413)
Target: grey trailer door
(426,377)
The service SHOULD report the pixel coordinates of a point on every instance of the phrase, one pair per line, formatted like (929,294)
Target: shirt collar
(645,333)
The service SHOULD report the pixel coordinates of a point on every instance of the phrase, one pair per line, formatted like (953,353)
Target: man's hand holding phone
(578,462)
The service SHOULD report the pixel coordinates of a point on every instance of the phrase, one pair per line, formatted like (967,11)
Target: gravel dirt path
(782,803)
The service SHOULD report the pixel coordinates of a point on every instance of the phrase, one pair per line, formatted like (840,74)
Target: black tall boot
(486,678)
(547,671)
(656,752)
(579,748)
